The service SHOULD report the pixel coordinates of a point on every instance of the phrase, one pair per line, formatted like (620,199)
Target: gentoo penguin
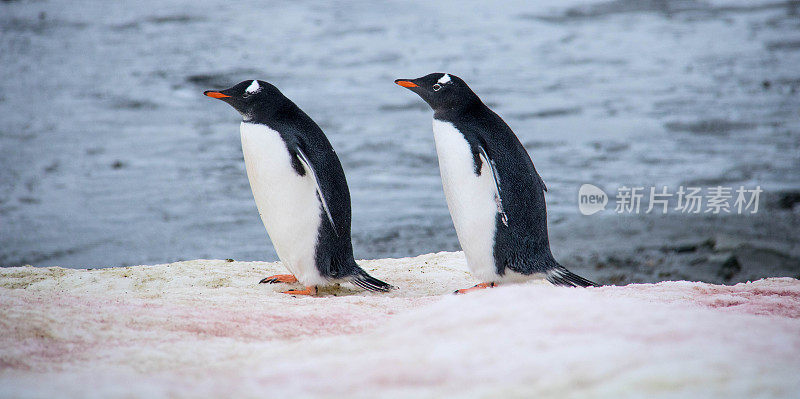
(495,195)
(299,187)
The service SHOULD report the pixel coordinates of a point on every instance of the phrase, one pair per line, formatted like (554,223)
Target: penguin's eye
(437,87)
(245,95)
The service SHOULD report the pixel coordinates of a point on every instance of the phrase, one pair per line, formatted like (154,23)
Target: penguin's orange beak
(215,94)
(406,83)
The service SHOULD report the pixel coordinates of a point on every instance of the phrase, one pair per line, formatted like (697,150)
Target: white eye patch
(253,88)
(444,79)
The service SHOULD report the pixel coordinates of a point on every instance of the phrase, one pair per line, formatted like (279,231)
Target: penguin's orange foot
(476,287)
(279,278)
(312,290)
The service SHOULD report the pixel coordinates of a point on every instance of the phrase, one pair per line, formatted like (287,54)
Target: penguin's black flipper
(369,283)
(304,160)
(485,158)
(561,276)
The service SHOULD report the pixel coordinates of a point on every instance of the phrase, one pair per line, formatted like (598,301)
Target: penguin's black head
(249,97)
(441,91)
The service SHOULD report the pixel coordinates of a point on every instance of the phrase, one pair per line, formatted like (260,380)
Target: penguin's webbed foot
(279,278)
(476,287)
(311,290)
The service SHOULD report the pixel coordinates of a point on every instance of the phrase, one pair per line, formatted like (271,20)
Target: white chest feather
(287,202)
(470,199)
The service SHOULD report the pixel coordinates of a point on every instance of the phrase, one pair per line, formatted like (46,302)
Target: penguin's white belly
(287,202)
(470,199)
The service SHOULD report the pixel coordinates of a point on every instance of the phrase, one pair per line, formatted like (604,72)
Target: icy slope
(203,328)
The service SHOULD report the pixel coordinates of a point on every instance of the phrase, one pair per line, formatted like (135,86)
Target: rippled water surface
(110,155)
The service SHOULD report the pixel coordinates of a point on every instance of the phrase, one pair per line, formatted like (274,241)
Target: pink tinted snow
(534,339)
(779,297)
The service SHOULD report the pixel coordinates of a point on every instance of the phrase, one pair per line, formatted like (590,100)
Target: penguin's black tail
(559,275)
(369,283)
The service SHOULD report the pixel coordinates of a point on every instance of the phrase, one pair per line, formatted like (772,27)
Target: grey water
(110,155)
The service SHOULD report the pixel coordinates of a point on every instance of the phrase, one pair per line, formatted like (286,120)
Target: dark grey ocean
(110,154)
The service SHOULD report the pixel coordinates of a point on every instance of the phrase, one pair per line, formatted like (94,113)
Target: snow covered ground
(204,328)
